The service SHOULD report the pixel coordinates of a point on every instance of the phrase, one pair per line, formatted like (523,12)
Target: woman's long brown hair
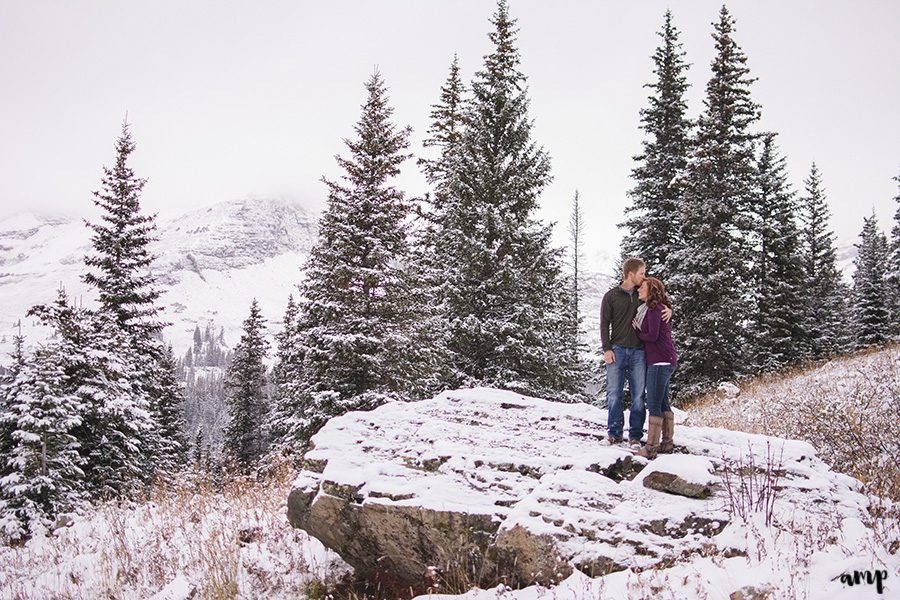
(656,293)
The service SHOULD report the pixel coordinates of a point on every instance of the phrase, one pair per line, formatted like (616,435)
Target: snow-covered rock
(523,490)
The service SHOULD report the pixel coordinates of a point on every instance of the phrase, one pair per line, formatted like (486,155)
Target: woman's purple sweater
(657,337)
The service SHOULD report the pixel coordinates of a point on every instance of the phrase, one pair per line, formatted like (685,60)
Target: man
(623,353)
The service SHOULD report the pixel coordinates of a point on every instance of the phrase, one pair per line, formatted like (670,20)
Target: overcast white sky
(229,99)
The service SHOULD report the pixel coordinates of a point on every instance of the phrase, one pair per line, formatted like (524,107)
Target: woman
(661,363)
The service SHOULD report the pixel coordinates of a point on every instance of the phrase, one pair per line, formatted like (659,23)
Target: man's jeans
(658,377)
(630,363)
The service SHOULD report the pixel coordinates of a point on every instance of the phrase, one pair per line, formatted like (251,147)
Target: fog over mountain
(211,263)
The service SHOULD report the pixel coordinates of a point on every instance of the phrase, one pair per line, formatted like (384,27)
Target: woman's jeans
(631,364)
(658,377)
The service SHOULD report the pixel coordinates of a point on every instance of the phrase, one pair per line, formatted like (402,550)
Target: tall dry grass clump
(848,409)
(210,537)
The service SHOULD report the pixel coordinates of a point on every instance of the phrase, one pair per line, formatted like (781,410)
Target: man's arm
(666,313)
(609,356)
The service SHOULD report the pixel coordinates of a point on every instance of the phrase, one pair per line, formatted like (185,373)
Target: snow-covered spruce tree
(652,229)
(357,311)
(116,420)
(120,270)
(892,276)
(711,281)
(169,414)
(284,422)
(824,314)
(444,134)
(505,295)
(430,230)
(245,384)
(870,312)
(777,266)
(42,471)
(7,391)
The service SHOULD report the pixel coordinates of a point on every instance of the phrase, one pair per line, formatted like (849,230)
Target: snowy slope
(211,263)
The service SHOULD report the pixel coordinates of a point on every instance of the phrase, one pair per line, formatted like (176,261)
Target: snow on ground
(185,540)
(236,542)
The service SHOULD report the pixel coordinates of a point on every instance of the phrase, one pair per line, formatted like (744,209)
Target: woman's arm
(649,331)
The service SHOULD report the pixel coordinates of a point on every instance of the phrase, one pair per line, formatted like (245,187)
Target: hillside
(542,467)
(848,408)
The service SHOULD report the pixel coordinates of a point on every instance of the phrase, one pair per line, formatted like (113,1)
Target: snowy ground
(237,543)
(187,541)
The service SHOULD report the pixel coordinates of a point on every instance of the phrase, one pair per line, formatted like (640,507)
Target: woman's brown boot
(654,429)
(668,432)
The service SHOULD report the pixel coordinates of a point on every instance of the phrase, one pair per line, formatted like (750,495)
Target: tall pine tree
(286,378)
(870,312)
(777,268)
(824,317)
(653,227)
(8,389)
(712,282)
(357,317)
(120,269)
(245,382)
(504,292)
(892,276)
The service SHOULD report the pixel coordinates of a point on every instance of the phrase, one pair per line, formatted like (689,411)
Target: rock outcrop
(487,486)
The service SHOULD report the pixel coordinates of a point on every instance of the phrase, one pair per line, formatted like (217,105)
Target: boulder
(673,484)
(485,486)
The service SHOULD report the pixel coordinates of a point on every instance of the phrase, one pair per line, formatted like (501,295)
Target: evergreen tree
(245,382)
(870,313)
(198,449)
(43,471)
(357,314)
(892,276)
(168,409)
(445,133)
(7,384)
(286,378)
(712,284)
(504,291)
(653,230)
(8,391)
(777,268)
(116,422)
(432,233)
(120,269)
(121,259)
(824,315)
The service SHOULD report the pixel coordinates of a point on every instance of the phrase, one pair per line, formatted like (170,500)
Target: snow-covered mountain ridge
(211,263)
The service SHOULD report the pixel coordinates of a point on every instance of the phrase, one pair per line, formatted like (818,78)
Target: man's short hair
(632,265)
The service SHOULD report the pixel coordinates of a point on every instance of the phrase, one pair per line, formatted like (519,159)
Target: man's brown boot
(654,429)
(668,432)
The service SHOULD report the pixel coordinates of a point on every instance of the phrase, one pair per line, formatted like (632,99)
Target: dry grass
(847,408)
(226,542)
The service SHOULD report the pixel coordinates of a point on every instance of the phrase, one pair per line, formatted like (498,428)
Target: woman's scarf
(641,313)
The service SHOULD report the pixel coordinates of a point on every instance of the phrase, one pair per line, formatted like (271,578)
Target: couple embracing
(637,345)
